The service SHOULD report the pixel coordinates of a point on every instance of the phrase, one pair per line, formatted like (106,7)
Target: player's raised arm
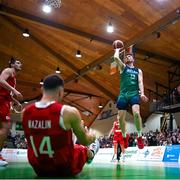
(118,45)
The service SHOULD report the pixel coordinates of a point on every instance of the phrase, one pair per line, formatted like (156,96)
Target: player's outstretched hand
(144,98)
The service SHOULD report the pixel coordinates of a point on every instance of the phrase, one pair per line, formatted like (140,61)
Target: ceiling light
(78,54)
(58,70)
(46,8)
(25,33)
(100,106)
(110,27)
(158,35)
(25,102)
(178,11)
(41,82)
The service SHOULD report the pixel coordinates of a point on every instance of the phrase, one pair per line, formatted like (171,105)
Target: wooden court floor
(102,171)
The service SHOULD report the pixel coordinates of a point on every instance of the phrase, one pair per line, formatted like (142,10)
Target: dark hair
(52,82)
(12,61)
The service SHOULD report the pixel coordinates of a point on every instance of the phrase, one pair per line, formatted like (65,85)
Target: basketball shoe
(94,147)
(140,142)
(2,161)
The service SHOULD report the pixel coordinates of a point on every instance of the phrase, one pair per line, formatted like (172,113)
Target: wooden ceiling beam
(37,85)
(107,58)
(82,72)
(69,91)
(157,26)
(101,88)
(5,10)
(27,83)
(62,59)
(79,73)
(158,56)
(169,18)
(79,107)
(43,45)
(8,11)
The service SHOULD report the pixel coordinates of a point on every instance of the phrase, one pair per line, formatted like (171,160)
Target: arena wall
(103,123)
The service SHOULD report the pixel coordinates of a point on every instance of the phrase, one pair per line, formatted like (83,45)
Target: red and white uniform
(5,99)
(118,138)
(51,151)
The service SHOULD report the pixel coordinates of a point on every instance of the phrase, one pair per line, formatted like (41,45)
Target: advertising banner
(15,155)
(172,154)
(151,153)
(131,153)
(104,155)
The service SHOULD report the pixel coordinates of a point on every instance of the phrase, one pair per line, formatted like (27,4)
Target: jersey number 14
(45,142)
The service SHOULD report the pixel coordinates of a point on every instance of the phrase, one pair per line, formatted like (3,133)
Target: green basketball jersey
(129,84)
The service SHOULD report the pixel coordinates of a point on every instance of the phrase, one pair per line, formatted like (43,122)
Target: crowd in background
(150,139)
(16,141)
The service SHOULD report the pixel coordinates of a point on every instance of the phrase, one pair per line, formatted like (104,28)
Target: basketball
(118,44)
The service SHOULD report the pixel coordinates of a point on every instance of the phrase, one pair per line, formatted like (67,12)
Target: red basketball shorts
(4,110)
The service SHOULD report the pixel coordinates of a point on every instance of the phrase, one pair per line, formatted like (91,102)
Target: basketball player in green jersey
(131,91)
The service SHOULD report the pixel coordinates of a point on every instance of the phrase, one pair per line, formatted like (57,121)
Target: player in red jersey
(7,91)
(48,127)
(117,138)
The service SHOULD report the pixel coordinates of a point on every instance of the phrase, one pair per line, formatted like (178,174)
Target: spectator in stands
(152,141)
(176,94)
(174,140)
(132,142)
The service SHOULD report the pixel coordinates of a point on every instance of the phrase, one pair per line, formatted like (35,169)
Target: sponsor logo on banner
(15,155)
(172,153)
(152,153)
(131,153)
(21,153)
(157,153)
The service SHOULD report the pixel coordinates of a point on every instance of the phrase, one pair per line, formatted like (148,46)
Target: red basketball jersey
(118,138)
(116,127)
(4,93)
(49,145)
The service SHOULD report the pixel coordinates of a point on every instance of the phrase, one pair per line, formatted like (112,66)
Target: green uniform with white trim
(129,87)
